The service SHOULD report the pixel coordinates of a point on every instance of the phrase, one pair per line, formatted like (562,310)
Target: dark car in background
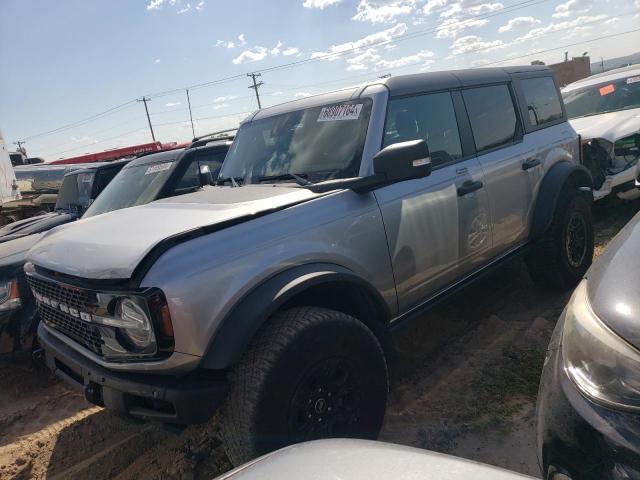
(589,397)
(139,181)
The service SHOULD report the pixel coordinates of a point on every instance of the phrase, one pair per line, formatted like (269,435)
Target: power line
(193,130)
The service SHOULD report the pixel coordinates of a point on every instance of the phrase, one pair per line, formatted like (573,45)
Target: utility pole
(190,115)
(20,144)
(145,100)
(602,63)
(255,86)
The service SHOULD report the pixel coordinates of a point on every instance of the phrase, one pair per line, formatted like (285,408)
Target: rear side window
(492,116)
(543,102)
(428,117)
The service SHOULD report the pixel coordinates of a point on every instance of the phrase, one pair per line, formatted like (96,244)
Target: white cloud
(374,38)
(277,49)
(220,105)
(565,26)
(241,41)
(254,54)
(277,93)
(473,43)
(363,60)
(423,56)
(155,4)
(321,4)
(302,94)
(485,8)
(184,10)
(294,50)
(432,5)
(382,11)
(200,6)
(225,44)
(516,22)
(172,104)
(572,7)
(224,99)
(451,27)
(371,59)
(157,60)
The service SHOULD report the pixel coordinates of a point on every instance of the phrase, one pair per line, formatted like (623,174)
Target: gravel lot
(468,389)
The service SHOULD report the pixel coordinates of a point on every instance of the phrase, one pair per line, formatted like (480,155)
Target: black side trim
(241,324)
(549,192)
(418,311)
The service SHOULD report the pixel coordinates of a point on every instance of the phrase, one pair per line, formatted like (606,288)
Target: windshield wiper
(300,178)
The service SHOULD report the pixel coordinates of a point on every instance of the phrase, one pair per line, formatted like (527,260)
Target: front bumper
(578,437)
(181,400)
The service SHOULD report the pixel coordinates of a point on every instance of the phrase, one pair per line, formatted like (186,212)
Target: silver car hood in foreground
(610,126)
(111,246)
(363,460)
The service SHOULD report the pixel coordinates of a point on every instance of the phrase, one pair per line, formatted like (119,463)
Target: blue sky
(67,60)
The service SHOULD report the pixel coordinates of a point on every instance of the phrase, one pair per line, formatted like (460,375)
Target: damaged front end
(613,166)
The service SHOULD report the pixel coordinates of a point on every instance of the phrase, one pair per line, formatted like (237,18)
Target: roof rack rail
(211,136)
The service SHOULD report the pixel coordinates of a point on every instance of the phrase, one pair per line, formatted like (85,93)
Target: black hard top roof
(93,167)
(403,84)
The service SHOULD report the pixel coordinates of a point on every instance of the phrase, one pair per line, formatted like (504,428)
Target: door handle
(468,187)
(530,163)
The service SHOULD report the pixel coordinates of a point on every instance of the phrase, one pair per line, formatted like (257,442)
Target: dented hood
(610,126)
(111,246)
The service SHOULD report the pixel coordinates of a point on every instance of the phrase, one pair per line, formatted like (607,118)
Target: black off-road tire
(306,366)
(550,263)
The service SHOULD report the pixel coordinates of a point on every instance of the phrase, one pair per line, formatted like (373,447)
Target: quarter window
(543,102)
(492,116)
(428,117)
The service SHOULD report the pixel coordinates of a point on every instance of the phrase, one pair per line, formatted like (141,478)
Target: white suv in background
(605,110)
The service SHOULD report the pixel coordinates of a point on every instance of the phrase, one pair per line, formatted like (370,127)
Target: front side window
(611,96)
(134,185)
(319,143)
(428,117)
(543,103)
(492,116)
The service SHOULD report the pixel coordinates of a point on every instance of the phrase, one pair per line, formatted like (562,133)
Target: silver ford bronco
(273,295)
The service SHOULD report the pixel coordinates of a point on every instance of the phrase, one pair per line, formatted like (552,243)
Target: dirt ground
(465,383)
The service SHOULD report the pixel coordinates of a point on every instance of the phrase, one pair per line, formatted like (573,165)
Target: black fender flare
(247,316)
(559,175)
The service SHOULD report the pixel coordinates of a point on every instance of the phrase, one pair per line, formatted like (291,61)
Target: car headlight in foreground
(604,367)
(9,295)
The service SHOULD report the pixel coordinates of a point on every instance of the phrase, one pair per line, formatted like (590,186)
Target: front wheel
(562,256)
(310,373)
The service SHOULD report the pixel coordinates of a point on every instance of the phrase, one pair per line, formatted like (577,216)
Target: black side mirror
(206,178)
(403,161)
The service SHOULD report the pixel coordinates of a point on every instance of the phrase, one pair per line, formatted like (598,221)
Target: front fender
(252,311)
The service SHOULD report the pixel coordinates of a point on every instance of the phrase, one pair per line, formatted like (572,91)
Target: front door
(437,227)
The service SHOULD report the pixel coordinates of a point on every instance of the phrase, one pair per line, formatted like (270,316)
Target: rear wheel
(310,373)
(562,256)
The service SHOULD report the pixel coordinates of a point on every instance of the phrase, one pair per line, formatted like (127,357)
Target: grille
(82,332)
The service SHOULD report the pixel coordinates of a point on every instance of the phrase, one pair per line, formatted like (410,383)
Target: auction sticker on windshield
(340,112)
(161,167)
(633,80)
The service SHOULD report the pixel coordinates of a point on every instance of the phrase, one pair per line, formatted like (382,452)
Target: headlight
(136,325)
(9,295)
(602,365)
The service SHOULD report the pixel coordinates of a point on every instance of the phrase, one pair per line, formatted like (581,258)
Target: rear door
(509,179)
(437,227)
